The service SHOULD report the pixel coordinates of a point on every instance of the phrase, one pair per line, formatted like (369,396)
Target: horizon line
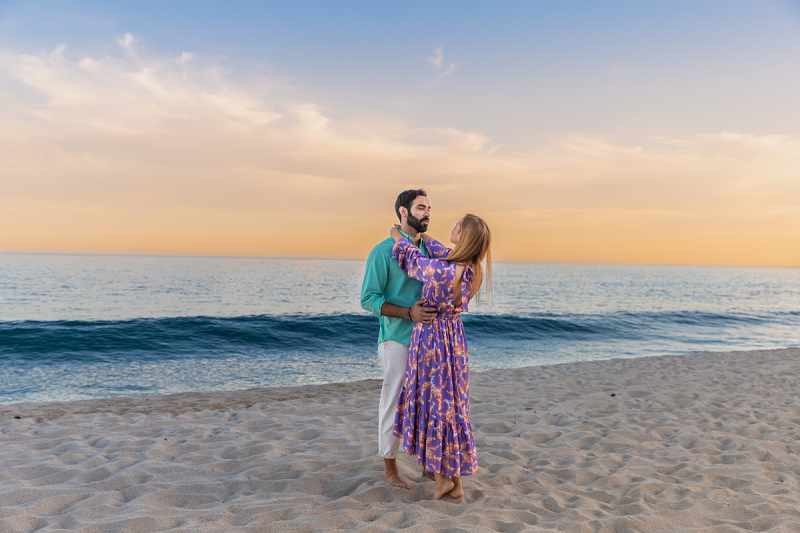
(364,259)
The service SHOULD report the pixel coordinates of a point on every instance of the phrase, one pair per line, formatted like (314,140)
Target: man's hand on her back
(426,315)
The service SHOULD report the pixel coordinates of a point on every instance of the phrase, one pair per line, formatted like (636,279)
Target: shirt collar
(407,236)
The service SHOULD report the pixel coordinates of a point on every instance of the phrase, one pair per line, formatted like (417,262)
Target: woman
(433,409)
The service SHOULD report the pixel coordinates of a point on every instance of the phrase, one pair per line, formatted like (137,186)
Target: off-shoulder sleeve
(437,249)
(417,266)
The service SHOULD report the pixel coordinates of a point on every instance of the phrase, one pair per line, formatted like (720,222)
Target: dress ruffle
(442,446)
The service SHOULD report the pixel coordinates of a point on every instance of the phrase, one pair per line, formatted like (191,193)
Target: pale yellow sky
(141,154)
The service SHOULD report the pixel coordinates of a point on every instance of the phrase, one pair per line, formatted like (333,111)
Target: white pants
(394,357)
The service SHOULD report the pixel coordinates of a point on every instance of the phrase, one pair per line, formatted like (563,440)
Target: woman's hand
(395,234)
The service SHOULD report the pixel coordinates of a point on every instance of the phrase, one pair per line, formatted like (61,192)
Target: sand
(703,442)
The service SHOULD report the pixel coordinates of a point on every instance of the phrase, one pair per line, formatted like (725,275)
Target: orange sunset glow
(128,150)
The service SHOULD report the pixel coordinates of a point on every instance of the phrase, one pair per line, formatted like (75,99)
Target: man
(394,298)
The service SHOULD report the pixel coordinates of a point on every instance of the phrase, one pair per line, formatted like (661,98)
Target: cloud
(127,43)
(114,130)
(447,72)
(156,154)
(437,57)
(185,58)
(619,68)
(437,60)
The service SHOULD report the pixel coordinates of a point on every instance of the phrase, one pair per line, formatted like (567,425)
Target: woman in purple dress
(433,408)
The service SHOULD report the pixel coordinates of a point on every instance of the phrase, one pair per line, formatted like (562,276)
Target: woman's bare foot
(443,485)
(428,475)
(458,489)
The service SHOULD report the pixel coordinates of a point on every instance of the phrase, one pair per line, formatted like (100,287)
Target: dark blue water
(76,327)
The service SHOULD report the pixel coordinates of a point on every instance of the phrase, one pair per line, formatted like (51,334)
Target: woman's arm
(395,234)
(436,249)
(419,267)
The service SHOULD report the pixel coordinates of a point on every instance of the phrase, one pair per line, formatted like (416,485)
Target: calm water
(78,326)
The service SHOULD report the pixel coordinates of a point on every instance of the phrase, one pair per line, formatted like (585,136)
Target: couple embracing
(418,288)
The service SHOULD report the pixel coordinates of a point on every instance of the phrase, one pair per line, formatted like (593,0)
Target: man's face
(420,214)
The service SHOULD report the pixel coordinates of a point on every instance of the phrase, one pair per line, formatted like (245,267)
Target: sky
(637,132)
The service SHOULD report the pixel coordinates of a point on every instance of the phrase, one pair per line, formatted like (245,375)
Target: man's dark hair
(406,199)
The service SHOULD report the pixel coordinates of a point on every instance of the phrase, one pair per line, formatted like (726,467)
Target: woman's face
(456,233)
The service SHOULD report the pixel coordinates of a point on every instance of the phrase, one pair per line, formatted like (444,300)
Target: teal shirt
(385,281)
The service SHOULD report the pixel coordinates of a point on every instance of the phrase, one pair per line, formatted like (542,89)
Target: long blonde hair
(474,247)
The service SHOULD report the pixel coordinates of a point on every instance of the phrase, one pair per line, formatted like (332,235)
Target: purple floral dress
(433,408)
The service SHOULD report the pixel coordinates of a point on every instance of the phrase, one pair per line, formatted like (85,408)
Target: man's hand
(426,315)
(417,313)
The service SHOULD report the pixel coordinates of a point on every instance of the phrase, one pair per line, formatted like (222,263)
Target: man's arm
(417,312)
(372,300)
(375,278)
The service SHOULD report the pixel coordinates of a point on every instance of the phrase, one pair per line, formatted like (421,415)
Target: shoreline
(184,402)
(698,442)
(194,401)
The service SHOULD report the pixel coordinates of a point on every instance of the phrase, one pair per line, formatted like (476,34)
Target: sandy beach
(704,442)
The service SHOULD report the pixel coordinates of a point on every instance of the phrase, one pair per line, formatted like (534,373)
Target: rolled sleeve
(377,305)
(375,278)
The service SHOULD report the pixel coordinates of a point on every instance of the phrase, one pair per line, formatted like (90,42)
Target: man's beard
(421,225)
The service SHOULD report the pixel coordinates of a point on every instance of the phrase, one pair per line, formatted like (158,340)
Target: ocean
(96,326)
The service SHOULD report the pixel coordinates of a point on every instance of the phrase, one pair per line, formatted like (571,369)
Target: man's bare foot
(443,485)
(393,475)
(397,481)
(458,489)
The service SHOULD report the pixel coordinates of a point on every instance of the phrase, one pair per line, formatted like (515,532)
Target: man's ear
(403,212)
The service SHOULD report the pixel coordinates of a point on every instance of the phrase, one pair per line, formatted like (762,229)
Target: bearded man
(394,298)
